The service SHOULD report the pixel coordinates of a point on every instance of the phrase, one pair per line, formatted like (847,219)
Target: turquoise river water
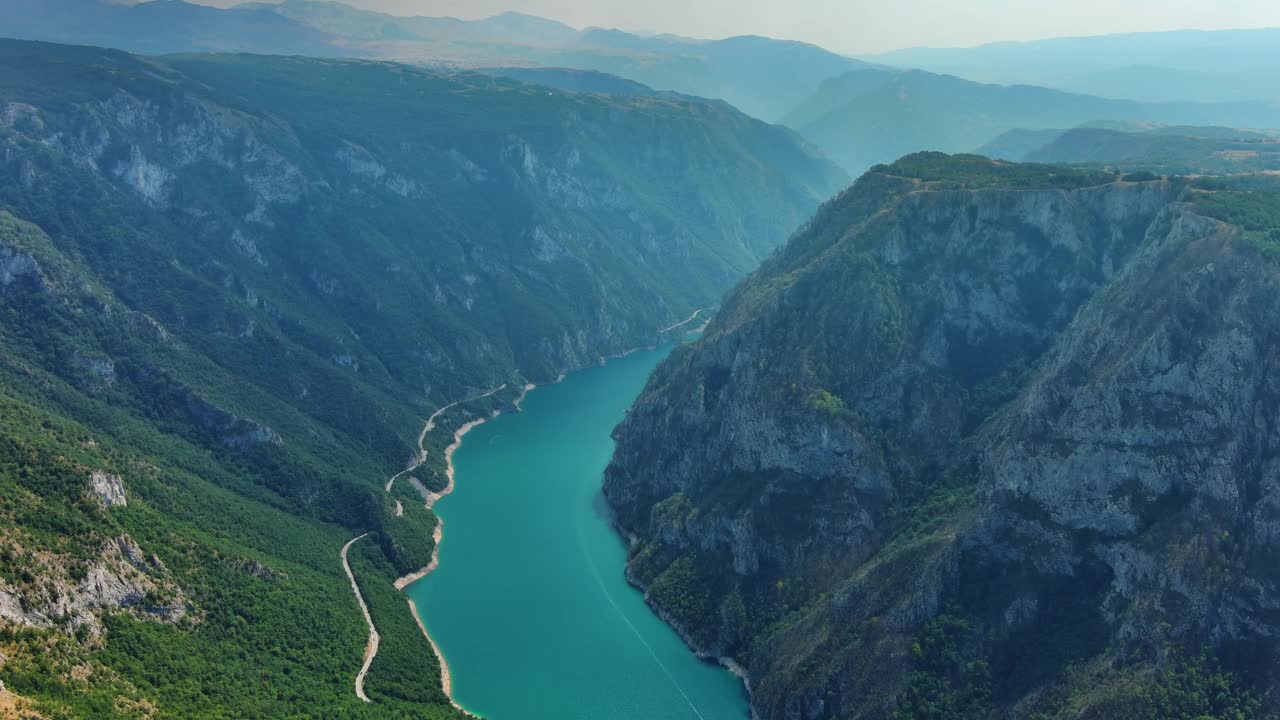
(529,604)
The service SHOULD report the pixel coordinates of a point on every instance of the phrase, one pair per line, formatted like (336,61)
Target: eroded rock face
(122,578)
(566,229)
(256,569)
(108,488)
(21,116)
(1046,408)
(93,374)
(964,286)
(232,431)
(149,179)
(1149,438)
(15,266)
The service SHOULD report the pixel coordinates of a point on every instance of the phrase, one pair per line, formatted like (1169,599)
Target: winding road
(371,649)
(430,425)
(690,319)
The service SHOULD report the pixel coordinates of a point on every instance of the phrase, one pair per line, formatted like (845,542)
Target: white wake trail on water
(595,574)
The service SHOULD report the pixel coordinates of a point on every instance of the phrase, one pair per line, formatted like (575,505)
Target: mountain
(983,440)
(761,76)
(163,26)
(233,288)
(352,23)
(570,80)
(1017,144)
(871,116)
(1170,150)
(1206,66)
(1162,84)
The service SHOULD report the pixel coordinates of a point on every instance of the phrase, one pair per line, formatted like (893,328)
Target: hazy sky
(861,26)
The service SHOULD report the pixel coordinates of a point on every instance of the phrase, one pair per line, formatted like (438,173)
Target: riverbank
(446,680)
(724,661)
(506,621)
(430,425)
(431,498)
(371,647)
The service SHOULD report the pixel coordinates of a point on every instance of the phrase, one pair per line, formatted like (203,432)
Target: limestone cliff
(1023,414)
(464,197)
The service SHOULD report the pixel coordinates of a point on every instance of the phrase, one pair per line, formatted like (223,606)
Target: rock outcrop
(108,489)
(15,266)
(73,594)
(230,430)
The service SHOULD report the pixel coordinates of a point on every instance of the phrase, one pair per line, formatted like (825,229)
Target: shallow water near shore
(529,604)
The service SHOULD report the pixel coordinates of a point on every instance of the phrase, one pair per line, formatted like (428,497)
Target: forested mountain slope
(1168,150)
(983,440)
(232,290)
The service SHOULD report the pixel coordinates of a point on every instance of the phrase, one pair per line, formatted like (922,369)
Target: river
(529,604)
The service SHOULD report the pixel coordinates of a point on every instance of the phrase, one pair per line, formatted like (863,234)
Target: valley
(753,378)
(252,311)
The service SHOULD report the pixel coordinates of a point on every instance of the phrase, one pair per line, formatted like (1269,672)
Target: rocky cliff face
(413,229)
(1032,417)
(276,249)
(74,593)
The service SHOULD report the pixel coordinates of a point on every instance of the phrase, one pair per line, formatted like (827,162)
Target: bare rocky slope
(983,440)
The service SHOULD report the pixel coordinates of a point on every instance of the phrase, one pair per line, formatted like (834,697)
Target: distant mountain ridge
(345,21)
(1208,66)
(589,81)
(801,85)
(763,77)
(760,76)
(164,26)
(1166,150)
(872,116)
